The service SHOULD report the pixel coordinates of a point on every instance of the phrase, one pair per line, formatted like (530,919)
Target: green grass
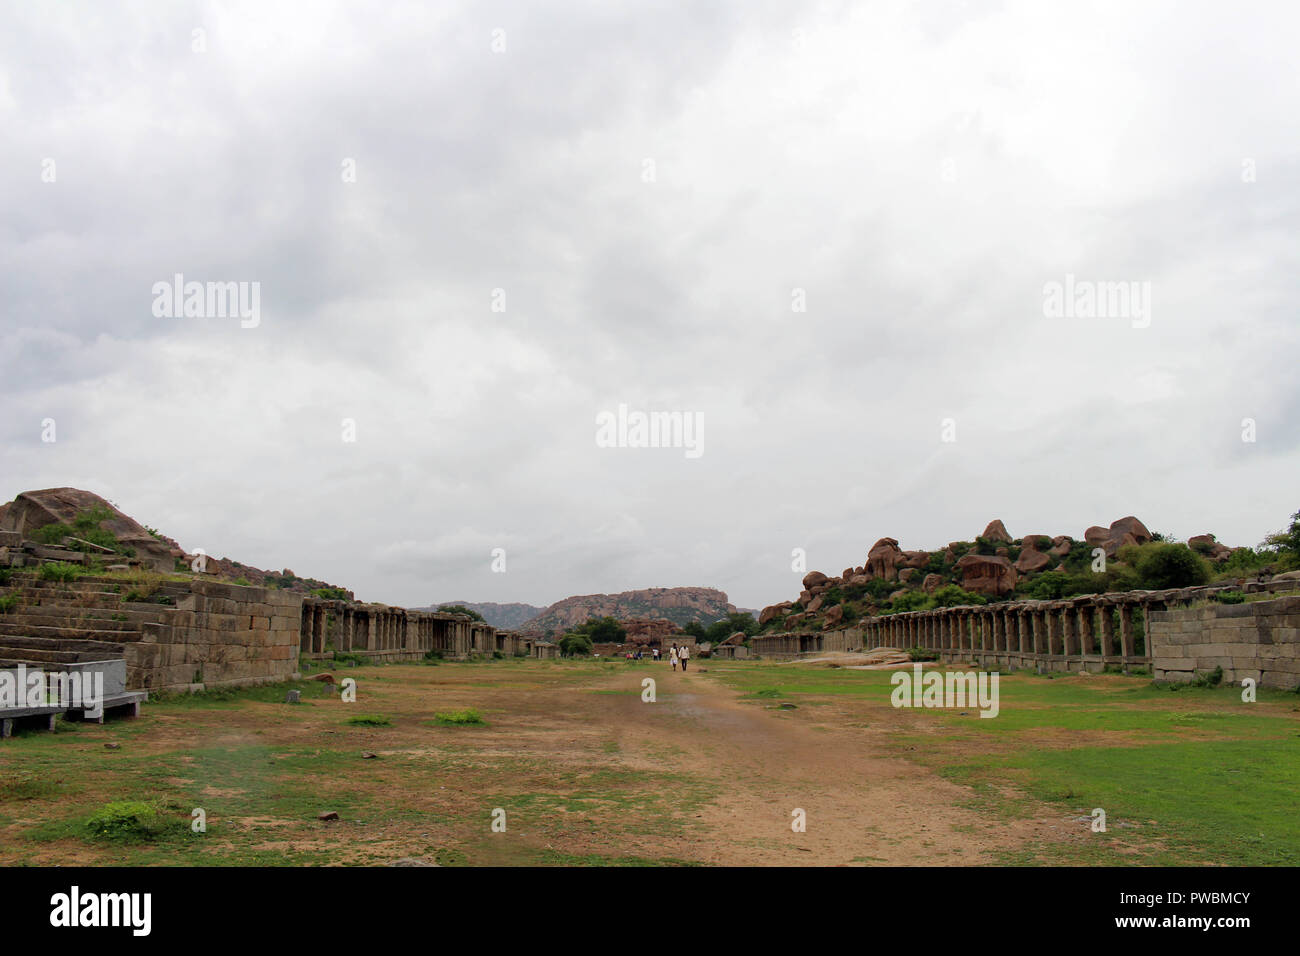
(459,718)
(370,720)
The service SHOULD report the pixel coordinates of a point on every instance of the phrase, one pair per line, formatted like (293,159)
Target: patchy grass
(370,720)
(459,718)
(1194,777)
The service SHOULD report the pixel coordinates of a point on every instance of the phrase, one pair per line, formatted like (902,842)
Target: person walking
(684,655)
(672,657)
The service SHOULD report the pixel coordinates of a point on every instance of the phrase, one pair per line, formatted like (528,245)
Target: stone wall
(218,634)
(1259,640)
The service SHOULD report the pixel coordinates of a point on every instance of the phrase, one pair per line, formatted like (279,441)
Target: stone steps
(100,619)
(12,628)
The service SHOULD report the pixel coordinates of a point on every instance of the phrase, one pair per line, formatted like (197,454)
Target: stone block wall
(1259,640)
(218,634)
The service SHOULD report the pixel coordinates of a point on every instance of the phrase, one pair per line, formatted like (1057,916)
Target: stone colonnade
(1088,632)
(395,633)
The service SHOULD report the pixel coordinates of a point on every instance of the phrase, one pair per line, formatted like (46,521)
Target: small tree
(458,609)
(1287,541)
(602,630)
(575,645)
(719,631)
(1171,566)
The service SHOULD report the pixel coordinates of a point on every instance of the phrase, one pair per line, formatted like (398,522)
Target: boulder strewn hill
(507,617)
(678,605)
(995,566)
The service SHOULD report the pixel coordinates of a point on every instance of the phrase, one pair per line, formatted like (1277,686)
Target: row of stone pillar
(350,627)
(1061,630)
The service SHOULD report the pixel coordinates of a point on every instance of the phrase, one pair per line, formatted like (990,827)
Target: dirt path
(861,805)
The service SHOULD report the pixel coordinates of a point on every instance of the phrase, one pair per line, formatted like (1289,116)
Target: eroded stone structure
(195,634)
(1177,633)
(386,633)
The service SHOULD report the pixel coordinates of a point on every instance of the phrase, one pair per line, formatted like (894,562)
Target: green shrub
(1228,597)
(458,609)
(722,629)
(131,821)
(1162,565)
(370,720)
(59,571)
(1213,679)
(601,630)
(1287,541)
(459,718)
(922,654)
(330,594)
(909,601)
(952,595)
(8,603)
(84,526)
(575,645)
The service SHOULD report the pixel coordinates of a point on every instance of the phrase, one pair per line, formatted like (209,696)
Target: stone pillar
(1088,642)
(1070,631)
(1106,613)
(304,630)
(1126,632)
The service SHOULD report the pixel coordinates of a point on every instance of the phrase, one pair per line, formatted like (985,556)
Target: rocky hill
(678,605)
(995,566)
(83,521)
(508,617)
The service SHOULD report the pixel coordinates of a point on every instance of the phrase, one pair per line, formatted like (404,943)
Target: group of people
(676,655)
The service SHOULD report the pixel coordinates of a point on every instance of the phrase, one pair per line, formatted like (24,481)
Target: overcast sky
(653,189)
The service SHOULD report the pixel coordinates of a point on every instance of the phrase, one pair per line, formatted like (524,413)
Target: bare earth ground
(583,768)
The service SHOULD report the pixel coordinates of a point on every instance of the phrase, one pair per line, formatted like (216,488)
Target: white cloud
(1104,141)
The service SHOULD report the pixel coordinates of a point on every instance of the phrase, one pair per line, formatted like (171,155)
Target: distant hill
(508,617)
(679,605)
